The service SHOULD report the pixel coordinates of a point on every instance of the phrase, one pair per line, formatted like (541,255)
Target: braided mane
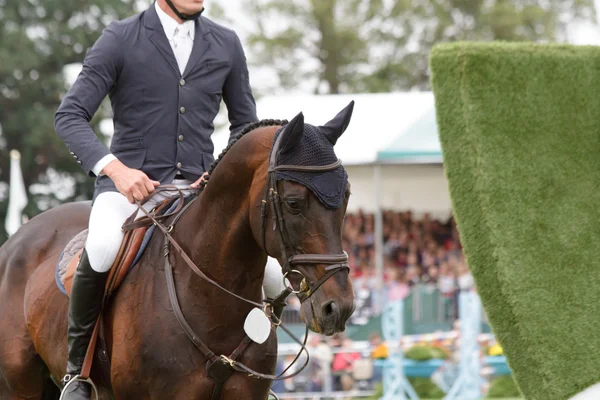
(248,128)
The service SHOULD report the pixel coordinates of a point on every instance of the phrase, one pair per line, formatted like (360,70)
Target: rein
(194,338)
(335,262)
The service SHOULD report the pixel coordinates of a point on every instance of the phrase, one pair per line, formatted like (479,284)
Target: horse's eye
(293,204)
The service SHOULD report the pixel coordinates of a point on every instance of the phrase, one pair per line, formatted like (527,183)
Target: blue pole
(395,384)
(468,384)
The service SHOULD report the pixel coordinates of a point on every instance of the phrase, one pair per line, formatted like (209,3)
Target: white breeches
(109,212)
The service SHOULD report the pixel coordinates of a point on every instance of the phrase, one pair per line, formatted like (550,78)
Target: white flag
(17,199)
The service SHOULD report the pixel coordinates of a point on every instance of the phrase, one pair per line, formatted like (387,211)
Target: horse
(240,215)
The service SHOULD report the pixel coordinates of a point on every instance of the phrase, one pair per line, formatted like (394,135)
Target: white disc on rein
(257,326)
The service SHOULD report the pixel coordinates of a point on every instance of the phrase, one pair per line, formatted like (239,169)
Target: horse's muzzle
(334,315)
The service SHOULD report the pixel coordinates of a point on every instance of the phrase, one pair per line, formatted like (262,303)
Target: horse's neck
(216,234)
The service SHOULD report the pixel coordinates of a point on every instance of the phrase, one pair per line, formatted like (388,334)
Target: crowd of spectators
(415,251)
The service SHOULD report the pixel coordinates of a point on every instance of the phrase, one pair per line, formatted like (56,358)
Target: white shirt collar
(169,24)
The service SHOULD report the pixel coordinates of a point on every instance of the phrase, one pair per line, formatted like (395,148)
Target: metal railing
(319,381)
(427,310)
(352,394)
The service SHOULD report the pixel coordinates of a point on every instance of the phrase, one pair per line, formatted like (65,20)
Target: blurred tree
(37,39)
(383,45)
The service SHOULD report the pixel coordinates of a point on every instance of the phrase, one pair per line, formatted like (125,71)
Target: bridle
(221,367)
(336,262)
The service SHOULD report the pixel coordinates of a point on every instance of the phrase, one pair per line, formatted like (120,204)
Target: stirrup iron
(68,379)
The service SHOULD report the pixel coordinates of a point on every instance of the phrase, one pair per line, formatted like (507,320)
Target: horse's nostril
(331,309)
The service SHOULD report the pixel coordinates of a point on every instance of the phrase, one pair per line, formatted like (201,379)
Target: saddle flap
(70,273)
(127,252)
(129,248)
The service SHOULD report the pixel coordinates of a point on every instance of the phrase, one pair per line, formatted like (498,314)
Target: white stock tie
(182,45)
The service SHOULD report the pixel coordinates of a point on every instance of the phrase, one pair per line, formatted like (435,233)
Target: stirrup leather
(68,379)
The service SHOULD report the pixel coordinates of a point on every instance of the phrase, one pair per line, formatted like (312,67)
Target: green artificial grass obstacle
(519,126)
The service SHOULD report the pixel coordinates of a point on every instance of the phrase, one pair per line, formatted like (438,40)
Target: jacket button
(180,138)
(182,110)
(178,165)
(182,82)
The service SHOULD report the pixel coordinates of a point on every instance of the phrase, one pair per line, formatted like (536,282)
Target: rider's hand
(197,183)
(131,183)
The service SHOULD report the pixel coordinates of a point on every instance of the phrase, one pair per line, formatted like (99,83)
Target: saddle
(129,247)
(132,247)
(128,253)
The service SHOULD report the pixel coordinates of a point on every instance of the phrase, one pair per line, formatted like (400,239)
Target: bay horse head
(301,217)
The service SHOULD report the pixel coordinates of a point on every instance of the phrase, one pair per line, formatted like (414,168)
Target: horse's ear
(334,128)
(292,133)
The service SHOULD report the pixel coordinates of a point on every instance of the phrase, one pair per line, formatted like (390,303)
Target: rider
(165,71)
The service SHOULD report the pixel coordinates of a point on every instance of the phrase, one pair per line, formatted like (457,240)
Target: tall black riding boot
(85,306)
